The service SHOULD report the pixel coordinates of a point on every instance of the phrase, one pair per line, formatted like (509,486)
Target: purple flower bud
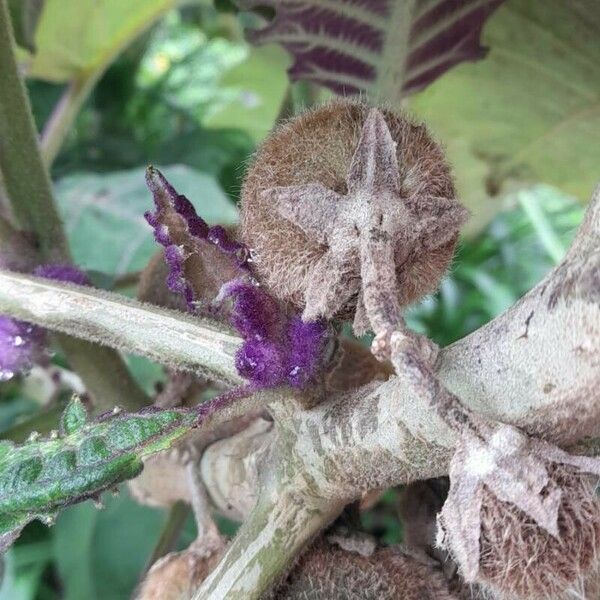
(21,345)
(67,273)
(261,362)
(176,224)
(306,345)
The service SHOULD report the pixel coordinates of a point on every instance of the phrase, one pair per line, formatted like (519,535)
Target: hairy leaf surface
(42,476)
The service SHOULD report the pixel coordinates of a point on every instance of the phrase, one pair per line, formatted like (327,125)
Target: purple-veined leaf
(383,48)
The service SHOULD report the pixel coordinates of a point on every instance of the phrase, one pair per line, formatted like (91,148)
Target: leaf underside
(385,49)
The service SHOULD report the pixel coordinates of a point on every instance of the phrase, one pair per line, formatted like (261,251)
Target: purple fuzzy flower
(21,345)
(255,314)
(66,273)
(278,349)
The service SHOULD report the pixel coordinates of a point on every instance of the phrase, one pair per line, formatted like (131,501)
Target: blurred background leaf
(76,37)
(99,554)
(25,15)
(104,214)
(257,89)
(530,111)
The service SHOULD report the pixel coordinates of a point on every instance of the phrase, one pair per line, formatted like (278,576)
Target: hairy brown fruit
(521,560)
(327,572)
(176,576)
(312,176)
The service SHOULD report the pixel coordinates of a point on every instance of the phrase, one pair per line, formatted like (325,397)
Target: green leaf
(104,214)
(74,417)
(24,567)
(530,111)
(24,15)
(100,553)
(257,86)
(77,37)
(43,475)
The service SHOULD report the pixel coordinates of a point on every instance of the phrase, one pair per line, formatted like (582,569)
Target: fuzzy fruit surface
(318,147)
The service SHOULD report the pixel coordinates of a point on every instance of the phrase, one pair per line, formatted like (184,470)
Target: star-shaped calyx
(542,498)
(369,233)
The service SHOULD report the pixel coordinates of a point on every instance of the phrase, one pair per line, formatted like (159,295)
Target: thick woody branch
(289,512)
(536,366)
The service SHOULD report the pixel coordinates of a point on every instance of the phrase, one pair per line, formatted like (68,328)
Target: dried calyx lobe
(279,348)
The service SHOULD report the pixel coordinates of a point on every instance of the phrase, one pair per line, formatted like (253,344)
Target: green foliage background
(190,95)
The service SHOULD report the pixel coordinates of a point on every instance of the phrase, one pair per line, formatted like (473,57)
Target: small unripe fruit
(319,150)
(327,572)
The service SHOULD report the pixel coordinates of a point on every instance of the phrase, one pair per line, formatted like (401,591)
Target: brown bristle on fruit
(521,560)
(318,147)
(327,572)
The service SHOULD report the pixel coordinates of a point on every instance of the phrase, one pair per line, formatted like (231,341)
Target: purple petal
(261,362)
(307,342)
(67,273)
(21,345)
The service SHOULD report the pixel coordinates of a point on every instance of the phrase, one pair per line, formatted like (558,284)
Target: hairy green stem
(64,114)
(281,524)
(26,180)
(29,190)
(167,336)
